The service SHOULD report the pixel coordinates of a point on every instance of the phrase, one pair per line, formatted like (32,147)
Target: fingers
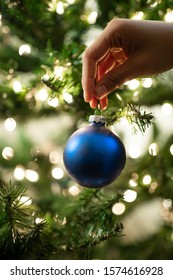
(101,103)
(92,56)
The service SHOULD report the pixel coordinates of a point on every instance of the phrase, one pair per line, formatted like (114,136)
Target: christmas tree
(44,214)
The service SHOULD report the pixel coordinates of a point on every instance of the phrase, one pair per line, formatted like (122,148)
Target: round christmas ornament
(94,156)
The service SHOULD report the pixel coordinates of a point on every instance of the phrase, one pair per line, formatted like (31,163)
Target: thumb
(130,69)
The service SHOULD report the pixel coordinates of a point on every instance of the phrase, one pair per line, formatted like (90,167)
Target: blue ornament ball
(94,156)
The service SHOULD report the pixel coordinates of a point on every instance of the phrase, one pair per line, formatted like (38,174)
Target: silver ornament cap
(97,119)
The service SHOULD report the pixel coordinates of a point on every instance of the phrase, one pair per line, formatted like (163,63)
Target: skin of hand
(125,50)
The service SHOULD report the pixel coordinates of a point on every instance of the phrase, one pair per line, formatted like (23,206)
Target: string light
(74,190)
(153,149)
(25,200)
(118,208)
(8,153)
(132,183)
(169,16)
(68,97)
(167,203)
(17,86)
(146,179)
(147,82)
(10,124)
(54,102)
(57,173)
(133,84)
(171,149)
(42,95)
(60,8)
(167,109)
(59,71)
(24,49)
(31,175)
(134,151)
(54,157)
(19,172)
(38,220)
(130,195)
(92,17)
(138,15)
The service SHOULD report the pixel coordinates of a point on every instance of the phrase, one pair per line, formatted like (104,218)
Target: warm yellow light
(68,97)
(167,203)
(25,200)
(130,195)
(54,102)
(153,149)
(57,173)
(74,190)
(133,84)
(134,151)
(146,179)
(171,149)
(17,86)
(8,153)
(24,49)
(169,16)
(147,82)
(138,15)
(60,8)
(118,208)
(19,173)
(92,17)
(42,95)
(167,109)
(132,183)
(31,175)
(10,124)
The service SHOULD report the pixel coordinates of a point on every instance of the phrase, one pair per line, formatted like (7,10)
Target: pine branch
(135,115)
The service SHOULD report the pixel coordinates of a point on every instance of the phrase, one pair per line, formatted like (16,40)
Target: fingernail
(101,91)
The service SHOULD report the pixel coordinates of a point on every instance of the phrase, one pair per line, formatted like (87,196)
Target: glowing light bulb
(118,208)
(54,102)
(146,179)
(171,149)
(130,195)
(19,173)
(133,84)
(68,97)
(25,200)
(57,173)
(169,16)
(10,124)
(132,183)
(60,8)
(147,82)
(8,153)
(74,190)
(134,151)
(153,149)
(138,15)
(92,17)
(31,175)
(17,86)
(167,109)
(42,95)
(24,49)
(167,203)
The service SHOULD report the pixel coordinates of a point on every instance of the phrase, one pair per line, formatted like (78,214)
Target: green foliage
(58,225)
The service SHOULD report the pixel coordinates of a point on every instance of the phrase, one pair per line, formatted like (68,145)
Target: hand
(125,50)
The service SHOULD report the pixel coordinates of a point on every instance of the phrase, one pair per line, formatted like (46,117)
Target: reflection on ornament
(94,156)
